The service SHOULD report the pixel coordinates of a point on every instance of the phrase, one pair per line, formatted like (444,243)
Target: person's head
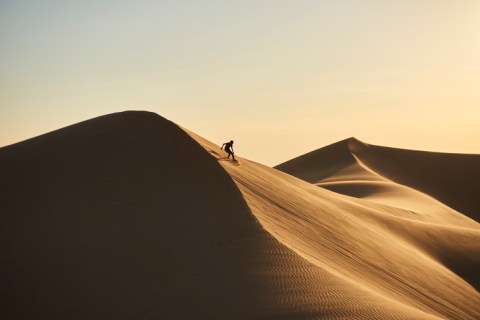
(231,141)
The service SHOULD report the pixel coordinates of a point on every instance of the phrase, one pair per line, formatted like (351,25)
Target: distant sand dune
(453,179)
(128,216)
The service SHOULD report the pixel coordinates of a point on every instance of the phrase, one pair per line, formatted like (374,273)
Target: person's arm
(222,146)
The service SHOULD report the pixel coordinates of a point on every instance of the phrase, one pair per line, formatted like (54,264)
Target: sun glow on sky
(281,78)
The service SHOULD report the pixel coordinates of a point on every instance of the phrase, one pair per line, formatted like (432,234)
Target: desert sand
(129,216)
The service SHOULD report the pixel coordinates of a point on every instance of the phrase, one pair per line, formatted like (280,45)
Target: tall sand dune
(128,216)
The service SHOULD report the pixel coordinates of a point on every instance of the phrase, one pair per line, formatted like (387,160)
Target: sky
(281,78)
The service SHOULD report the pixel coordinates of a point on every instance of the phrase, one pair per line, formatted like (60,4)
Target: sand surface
(128,216)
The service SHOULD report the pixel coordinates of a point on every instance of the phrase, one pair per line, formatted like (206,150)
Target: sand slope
(127,217)
(357,166)
(416,259)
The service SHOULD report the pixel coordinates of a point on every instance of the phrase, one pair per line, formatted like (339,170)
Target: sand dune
(453,179)
(128,216)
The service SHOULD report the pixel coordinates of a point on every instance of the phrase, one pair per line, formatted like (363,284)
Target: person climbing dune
(229,149)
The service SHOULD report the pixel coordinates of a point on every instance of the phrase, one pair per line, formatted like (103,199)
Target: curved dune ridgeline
(453,179)
(128,216)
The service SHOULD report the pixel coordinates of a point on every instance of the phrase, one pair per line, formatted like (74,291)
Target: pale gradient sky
(281,78)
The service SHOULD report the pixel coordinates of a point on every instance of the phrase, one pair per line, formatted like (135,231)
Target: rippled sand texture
(128,216)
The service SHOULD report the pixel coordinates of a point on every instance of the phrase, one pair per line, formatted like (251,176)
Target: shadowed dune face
(124,217)
(127,217)
(358,189)
(321,164)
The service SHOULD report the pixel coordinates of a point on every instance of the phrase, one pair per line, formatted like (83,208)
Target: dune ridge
(453,179)
(324,226)
(130,216)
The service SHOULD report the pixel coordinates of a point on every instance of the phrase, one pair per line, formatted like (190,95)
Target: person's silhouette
(229,149)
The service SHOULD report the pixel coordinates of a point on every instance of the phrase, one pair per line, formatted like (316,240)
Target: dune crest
(453,179)
(129,216)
